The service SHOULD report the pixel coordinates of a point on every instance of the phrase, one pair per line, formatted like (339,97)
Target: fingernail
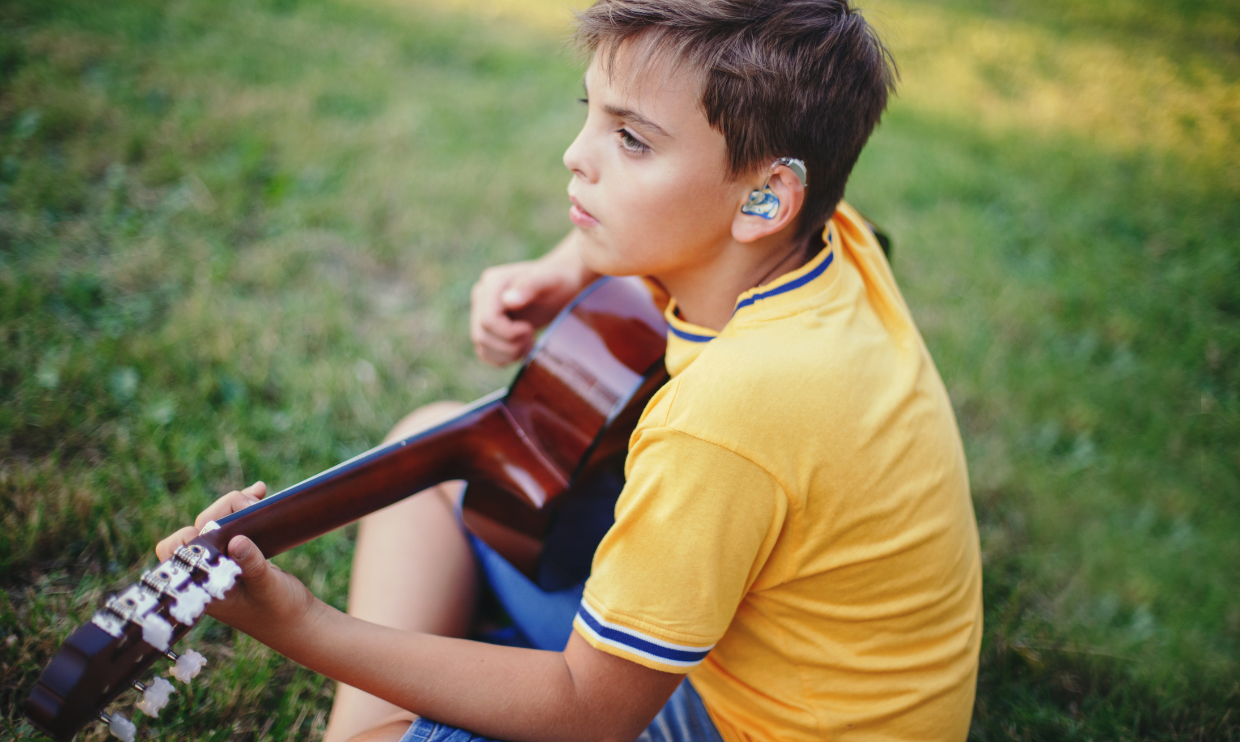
(511,296)
(242,549)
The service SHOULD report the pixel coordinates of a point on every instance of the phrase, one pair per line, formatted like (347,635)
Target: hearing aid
(763,202)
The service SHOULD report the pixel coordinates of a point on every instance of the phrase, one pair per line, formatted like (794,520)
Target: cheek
(675,204)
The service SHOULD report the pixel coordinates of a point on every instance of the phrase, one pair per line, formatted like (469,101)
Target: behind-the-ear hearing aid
(763,202)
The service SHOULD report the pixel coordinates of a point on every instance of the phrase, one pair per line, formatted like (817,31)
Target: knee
(422,418)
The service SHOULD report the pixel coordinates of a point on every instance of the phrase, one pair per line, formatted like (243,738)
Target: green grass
(236,242)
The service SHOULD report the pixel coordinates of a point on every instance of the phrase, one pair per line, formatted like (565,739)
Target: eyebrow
(635,117)
(625,113)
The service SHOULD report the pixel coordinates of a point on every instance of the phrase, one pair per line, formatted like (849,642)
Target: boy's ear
(787,187)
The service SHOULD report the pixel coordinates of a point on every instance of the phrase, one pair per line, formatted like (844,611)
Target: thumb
(525,289)
(254,566)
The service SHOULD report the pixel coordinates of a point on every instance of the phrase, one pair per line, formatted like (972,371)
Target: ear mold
(762,203)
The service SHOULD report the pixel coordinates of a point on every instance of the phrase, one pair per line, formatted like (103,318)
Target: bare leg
(387,730)
(413,570)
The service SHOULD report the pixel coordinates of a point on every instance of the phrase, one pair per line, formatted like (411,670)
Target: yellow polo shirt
(796,530)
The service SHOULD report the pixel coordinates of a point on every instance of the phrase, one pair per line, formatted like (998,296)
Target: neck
(707,294)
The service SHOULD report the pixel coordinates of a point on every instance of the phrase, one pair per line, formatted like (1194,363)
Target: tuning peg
(222,577)
(123,728)
(190,604)
(187,665)
(156,631)
(154,697)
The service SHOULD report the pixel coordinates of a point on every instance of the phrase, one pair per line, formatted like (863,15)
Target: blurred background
(237,239)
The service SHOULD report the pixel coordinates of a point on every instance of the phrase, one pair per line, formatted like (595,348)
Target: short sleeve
(694,526)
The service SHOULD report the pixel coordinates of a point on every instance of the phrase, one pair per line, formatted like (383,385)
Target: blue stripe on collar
(689,335)
(790,286)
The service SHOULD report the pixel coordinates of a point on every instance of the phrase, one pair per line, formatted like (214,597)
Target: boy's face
(650,190)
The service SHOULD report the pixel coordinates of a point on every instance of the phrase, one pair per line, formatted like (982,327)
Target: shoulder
(804,393)
(768,376)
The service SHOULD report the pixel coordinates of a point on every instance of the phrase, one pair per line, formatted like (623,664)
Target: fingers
(510,302)
(231,503)
(272,602)
(226,505)
(164,549)
(498,338)
(502,349)
(525,288)
(254,566)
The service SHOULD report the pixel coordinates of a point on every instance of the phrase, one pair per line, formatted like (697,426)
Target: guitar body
(543,462)
(575,401)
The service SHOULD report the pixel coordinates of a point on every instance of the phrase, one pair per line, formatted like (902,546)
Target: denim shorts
(544,620)
(683,719)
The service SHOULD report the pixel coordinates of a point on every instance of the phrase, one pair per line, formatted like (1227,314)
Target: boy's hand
(266,598)
(511,301)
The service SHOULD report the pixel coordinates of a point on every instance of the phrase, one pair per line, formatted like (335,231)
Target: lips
(580,216)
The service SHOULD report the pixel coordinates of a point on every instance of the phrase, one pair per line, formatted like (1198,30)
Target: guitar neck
(481,442)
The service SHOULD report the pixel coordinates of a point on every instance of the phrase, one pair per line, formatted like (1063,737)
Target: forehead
(654,83)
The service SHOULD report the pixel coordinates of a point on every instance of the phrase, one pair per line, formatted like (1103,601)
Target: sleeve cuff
(636,646)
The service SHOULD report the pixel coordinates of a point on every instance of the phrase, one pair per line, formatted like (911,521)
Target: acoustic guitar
(543,461)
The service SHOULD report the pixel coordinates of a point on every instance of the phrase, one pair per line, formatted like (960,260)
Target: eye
(631,143)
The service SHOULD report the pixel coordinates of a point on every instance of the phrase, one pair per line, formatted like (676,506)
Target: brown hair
(781,78)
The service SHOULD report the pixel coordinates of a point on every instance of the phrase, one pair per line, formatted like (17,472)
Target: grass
(236,242)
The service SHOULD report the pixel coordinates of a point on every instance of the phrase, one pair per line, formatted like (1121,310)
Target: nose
(578,160)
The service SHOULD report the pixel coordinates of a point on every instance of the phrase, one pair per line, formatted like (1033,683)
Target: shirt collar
(686,340)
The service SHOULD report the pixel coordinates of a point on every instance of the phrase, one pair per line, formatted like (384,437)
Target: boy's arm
(507,693)
(509,302)
(515,694)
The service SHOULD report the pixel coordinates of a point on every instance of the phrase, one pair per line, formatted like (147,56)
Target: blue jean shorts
(544,620)
(683,719)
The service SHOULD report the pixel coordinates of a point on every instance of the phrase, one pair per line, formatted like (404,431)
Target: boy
(795,531)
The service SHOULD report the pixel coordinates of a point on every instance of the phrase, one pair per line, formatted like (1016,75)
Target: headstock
(134,629)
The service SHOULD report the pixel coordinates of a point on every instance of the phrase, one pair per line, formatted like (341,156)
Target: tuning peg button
(222,577)
(188,666)
(156,631)
(190,604)
(154,697)
(121,727)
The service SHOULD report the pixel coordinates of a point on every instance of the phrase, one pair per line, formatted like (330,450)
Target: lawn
(237,240)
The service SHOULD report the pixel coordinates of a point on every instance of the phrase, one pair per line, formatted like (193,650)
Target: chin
(596,258)
(609,259)
(606,268)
